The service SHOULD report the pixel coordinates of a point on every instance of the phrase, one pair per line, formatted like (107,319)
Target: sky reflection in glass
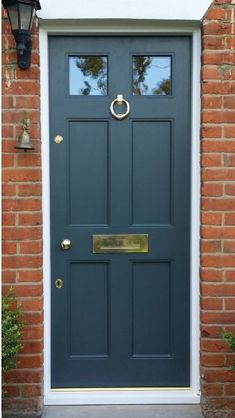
(151,75)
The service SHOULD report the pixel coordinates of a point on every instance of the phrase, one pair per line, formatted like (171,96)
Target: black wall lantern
(21,14)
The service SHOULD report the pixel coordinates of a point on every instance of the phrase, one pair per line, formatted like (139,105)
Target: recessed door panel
(151,309)
(87,167)
(88,314)
(151,201)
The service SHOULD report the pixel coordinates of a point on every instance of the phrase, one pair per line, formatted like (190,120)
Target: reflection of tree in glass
(164,87)
(141,65)
(94,68)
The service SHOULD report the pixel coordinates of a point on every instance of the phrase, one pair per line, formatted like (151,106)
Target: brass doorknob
(65,244)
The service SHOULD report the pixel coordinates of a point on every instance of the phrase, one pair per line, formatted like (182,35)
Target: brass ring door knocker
(119,100)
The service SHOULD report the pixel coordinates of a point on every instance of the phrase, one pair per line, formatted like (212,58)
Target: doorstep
(123,411)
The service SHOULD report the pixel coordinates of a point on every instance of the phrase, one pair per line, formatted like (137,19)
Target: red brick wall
(22,234)
(218,207)
(22,219)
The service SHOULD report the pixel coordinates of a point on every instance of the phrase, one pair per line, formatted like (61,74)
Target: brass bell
(24,141)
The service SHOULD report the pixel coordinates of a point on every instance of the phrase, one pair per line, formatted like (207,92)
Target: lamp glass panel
(13,16)
(25,16)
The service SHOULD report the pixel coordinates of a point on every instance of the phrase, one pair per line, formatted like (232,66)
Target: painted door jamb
(162,395)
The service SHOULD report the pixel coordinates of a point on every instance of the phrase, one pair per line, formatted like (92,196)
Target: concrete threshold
(123,411)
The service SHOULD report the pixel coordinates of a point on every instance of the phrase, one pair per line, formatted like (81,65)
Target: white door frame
(149,396)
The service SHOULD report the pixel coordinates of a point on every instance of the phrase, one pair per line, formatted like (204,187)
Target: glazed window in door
(120,319)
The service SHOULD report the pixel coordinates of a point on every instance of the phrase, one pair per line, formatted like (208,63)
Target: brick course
(22,217)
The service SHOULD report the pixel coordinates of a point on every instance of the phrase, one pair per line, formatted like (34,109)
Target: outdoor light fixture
(21,14)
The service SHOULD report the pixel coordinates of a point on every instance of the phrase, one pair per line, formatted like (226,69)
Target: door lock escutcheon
(65,244)
(58,283)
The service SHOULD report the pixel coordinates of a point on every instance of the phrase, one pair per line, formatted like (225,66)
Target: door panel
(151,154)
(90,156)
(120,319)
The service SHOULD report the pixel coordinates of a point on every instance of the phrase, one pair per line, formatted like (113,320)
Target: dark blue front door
(120,319)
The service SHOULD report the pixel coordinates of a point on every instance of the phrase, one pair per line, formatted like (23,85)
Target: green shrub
(230,339)
(12,325)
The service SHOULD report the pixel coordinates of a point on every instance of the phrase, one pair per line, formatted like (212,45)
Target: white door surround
(156,396)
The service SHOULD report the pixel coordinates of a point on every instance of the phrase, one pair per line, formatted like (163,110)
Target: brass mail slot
(132,243)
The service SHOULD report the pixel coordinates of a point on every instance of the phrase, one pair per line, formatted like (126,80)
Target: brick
(31,347)
(218,375)
(213,346)
(210,72)
(216,28)
(218,116)
(22,87)
(11,391)
(34,247)
(7,131)
(211,275)
(31,305)
(212,42)
(230,219)
(9,247)
(211,189)
(230,304)
(8,219)
(229,246)
(211,160)
(30,362)
(217,318)
(24,376)
(27,102)
(230,275)
(223,204)
(33,333)
(210,246)
(218,57)
(7,160)
(229,160)
(230,390)
(17,116)
(32,73)
(29,291)
(30,276)
(23,233)
(230,189)
(23,205)
(8,190)
(29,189)
(229,102)
(212,102)
(211,218)
(31,391)
(211,132)
(21,175)
(216,14)
(218,174)
(211,304)
(229,132)
(216,290)
(32,160)
(24,404)
(212,360)
(230,42)
(215,87)
(212,389)
(8,276)
(30,219)
(33,318)
(218,146)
